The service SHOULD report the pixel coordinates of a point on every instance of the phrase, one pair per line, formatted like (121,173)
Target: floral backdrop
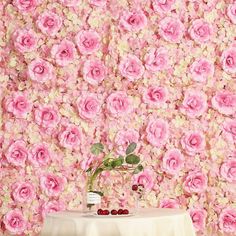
(160,73)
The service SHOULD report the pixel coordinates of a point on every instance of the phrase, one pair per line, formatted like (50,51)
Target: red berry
(114,212)
(99,211)
(125,211)
(120,212)
(135,187)
(106,212)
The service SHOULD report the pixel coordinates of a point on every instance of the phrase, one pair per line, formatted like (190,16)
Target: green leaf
(138,169)
(117,162)
(132,159)
(96,148)
(130,148)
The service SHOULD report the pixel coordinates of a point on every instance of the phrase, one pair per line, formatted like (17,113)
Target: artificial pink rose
(231,12)
(193,142)
(227,220)
(201,31)
(225,102)
(98,3)
(49,23)
(39,155)
(157,132)
(169,203)
(26,6)
(198,217)
(25,40)
(64,52)
(94,71)
(146,178)
(18,105)
(17,153)
(229,127)
(133,20)
(228,170)
(156,59)
(162,6)
(23,192)
(155,96)
(171,29)
(228,60)
(51,207)
(15,222)
(70,137)
(87,41)
(47,116)
(131,68)
(173,161)
(70,3)
(194,103)
(88,106)
(195,182)
(40,70)
(201,70)
(52,184)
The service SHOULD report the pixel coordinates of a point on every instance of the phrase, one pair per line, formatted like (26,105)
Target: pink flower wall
(157,72)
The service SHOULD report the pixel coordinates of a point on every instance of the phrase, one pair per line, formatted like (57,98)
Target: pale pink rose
(131,68)
(88,106)
(70,137)
(201,31)
(173,161)
(228,60)
(146,178)
(155,96)
(52,184)
(70,3)
(228,170)
(64,53)
(47,116)
(198,216)
(87,41)
(133,20)
(231,12)
(18,105)
(225,102)
(40,70)
(193,142)
(162,6)
(26,6)
(98,3)
(195,182)
(171,29)
(86,163)
(15,222)
(157,132)
(51,207)
(49,23)
(194,103)
(118,103)
(229,127)
(156,59)
(94,71)
(227,220)
(17,153)
(39,155)
(169,203)
(23,192)
(25,40)
(201,70)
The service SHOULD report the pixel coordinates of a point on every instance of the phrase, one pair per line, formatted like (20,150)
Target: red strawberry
(125,211)
(135,187)
(106,212)
(99,211)
(120,212)
(114,212)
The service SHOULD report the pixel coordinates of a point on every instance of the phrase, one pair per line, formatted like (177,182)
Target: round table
(147,222)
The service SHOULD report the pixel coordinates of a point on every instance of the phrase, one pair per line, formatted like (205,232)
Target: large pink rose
(195,182)
(228,170)
(118,103)
(40,70)
(194,103)
(52,184)
(51,207)
(227,220)
(94,71)
(70,3)
(47,116)
(88,106)
(169,203)
(198,216)
(157,132)
(64,53)
(173,161)
(193,142)
(18,105)
(146,178)
(228,60)
(26,6)
(49,23)
(17,153)
(98,3)
(131,68)
(39,155)
(88,41)
(133,20)
(231,12)
(23,192)
(156,59)
(225,102)
(201,31)
(162,6)
(70,137)
(171,29)
(15,222)
(229,128)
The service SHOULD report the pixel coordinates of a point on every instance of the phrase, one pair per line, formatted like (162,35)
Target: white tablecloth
(147,222)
